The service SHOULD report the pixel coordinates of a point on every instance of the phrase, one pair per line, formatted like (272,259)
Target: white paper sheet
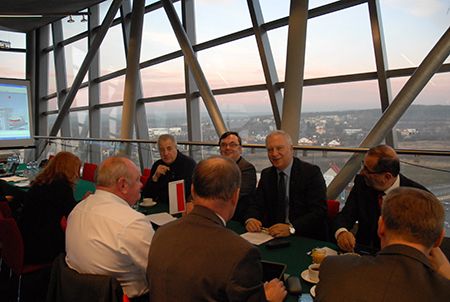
(160,218)
(256,238)
(14,178)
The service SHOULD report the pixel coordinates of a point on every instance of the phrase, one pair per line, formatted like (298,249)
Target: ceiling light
(71,20)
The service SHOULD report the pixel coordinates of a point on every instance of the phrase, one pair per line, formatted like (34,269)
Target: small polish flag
(177,200)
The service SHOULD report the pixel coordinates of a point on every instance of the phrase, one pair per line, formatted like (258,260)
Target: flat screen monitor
(16,123)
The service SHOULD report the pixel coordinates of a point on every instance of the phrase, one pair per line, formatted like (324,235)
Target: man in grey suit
(230,144)
(196,258)
(410,265)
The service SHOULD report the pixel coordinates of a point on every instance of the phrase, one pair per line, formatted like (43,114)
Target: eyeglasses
(231,145)
(368,171)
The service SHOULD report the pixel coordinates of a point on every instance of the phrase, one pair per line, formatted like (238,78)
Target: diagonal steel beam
(268,64)
(432,62)
(380,60)
(85,66)
(191,59)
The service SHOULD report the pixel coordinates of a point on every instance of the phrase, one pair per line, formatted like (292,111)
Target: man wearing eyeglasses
(380,174)
(230,145)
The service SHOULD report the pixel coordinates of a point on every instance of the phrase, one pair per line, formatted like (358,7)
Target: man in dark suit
(172,166)
(410,266)
(196,258)
(291,195)
(230,145)
(379,175)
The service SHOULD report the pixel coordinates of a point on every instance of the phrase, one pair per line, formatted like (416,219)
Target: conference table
(295,256)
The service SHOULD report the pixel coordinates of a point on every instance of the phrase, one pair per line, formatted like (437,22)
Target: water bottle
(9,163)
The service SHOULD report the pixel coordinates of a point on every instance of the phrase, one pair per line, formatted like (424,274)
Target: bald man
(105,236)
(380,174)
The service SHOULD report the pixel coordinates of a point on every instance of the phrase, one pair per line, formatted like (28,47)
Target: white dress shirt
(105,236)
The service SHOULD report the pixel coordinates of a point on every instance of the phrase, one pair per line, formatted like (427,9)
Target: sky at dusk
(338,43)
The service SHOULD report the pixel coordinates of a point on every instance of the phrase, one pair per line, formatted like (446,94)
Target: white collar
(395,185)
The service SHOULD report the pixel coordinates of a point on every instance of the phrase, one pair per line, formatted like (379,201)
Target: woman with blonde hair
(49,199)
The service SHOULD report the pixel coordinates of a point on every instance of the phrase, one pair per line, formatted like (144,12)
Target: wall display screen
(16,124)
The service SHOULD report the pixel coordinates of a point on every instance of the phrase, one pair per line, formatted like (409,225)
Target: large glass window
(12,65)
(411,30)
(73,25)
(339,114)
(335,46)
(112,52)
(426,123)
(158,37)
(110,122)
(273,10)
(81,98)
(112,90)
(164,78)
(75,54)
(167,117)
(220,18)
(250,114)
(16,40)
(79,122)
(51,73)
(232,64)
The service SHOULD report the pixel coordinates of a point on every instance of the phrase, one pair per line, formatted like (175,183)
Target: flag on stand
(177,200)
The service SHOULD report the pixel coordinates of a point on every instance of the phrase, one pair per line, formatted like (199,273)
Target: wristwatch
(291,229)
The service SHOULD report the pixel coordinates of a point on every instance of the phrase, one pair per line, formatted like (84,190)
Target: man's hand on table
(346,241)
(253,225)
(275,290)
(279,230)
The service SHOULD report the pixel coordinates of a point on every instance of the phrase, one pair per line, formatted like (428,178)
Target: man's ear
(192,190)
(438,241)
(381,227)
(122,185)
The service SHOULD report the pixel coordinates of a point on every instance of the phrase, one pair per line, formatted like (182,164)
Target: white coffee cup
(313,272)
(147,201)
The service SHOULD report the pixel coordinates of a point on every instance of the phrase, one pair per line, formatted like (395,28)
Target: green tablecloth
(294,256)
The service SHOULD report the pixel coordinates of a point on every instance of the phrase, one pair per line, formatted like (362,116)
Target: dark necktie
(281,198)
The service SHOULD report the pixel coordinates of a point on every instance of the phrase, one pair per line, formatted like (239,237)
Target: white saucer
(147,203)
(305,276)
(312,291)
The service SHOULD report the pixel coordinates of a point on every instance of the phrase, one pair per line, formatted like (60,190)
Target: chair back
(68,285)
(12,245)
(333,208)
(146,172)
(144,179)
(5,210)
(89,172)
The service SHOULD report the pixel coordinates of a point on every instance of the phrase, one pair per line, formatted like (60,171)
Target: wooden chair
(89,170)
